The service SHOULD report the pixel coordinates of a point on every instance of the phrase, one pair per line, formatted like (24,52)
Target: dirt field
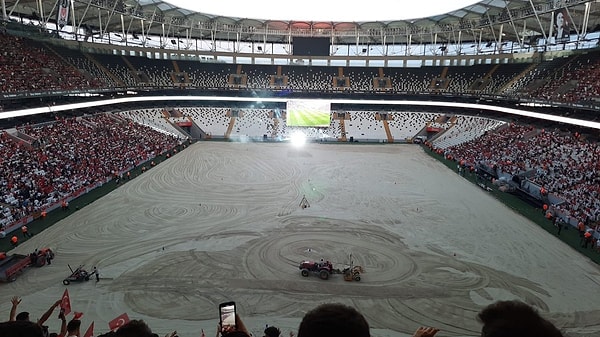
(221,221)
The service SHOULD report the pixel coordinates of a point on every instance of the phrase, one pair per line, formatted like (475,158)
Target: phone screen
(227,315)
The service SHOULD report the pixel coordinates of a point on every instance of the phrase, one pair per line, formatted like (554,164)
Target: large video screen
(308,112)
(310,46)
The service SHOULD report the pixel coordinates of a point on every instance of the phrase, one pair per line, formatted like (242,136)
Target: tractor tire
(66,282)
(324,274)
(304,272)
(356,278)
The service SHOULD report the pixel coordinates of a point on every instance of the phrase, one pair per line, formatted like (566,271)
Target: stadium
(196,158)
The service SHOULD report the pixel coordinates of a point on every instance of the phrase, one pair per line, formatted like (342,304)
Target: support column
(3,4)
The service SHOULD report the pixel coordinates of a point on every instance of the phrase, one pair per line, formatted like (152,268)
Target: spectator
(25,232)
(73,328)
(134,328)
(240,329)
(272,332)
(333,319)
(20,329)
(24,315)
(514,319)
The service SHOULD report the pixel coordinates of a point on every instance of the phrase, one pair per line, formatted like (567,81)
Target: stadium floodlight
(298,139)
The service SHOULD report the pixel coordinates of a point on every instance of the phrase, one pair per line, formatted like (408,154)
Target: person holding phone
(227,319)
(230,323)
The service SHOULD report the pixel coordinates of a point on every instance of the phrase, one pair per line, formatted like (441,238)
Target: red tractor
(325,268)
(12,265)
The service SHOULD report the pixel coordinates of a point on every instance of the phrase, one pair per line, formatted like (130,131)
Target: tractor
(325,268)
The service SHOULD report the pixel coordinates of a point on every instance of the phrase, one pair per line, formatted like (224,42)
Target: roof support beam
(147,33)
(110,15)
(46,19)
(514,27)
(124,36)
(535,12)
(493,32)
(213,37)
(3,4)
(586,20)
(83,15)
(132,17)
(498,46)
(573,22)
(40,9)
(13,8)
(143,34)
(383,41)
(72,4)
(100,23)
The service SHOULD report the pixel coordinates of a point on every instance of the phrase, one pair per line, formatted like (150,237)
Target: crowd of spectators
(498,319)
(573,81)
(69,155)
(27,66)
(564,164)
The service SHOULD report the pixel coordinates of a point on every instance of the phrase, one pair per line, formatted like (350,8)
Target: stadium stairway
(176,67)
(105,70)
(60,56)
(132,69)
(196,131)
(275,127)
(517,78)
(481,83)
(438,135)
(388,132)
(116,117)
(230,127)
(343,129)
(491,72)
(167,116)
(444,73)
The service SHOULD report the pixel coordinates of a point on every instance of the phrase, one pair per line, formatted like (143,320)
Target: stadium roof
(521,21)
(319,10)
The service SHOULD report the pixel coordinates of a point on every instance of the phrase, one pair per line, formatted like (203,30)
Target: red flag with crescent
(90,331)
(65,303)
(118,322)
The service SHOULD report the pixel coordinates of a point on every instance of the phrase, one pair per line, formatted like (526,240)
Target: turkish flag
(65,303)
(77,315)
(90,331)
(118,322)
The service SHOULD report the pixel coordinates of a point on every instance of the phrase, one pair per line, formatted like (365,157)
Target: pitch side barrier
(170,99)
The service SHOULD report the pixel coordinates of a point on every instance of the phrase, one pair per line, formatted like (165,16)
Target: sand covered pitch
(221,221)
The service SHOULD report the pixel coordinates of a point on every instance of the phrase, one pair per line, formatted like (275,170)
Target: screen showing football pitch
(308,112)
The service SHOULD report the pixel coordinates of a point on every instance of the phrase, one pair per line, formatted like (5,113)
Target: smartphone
(227,317)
